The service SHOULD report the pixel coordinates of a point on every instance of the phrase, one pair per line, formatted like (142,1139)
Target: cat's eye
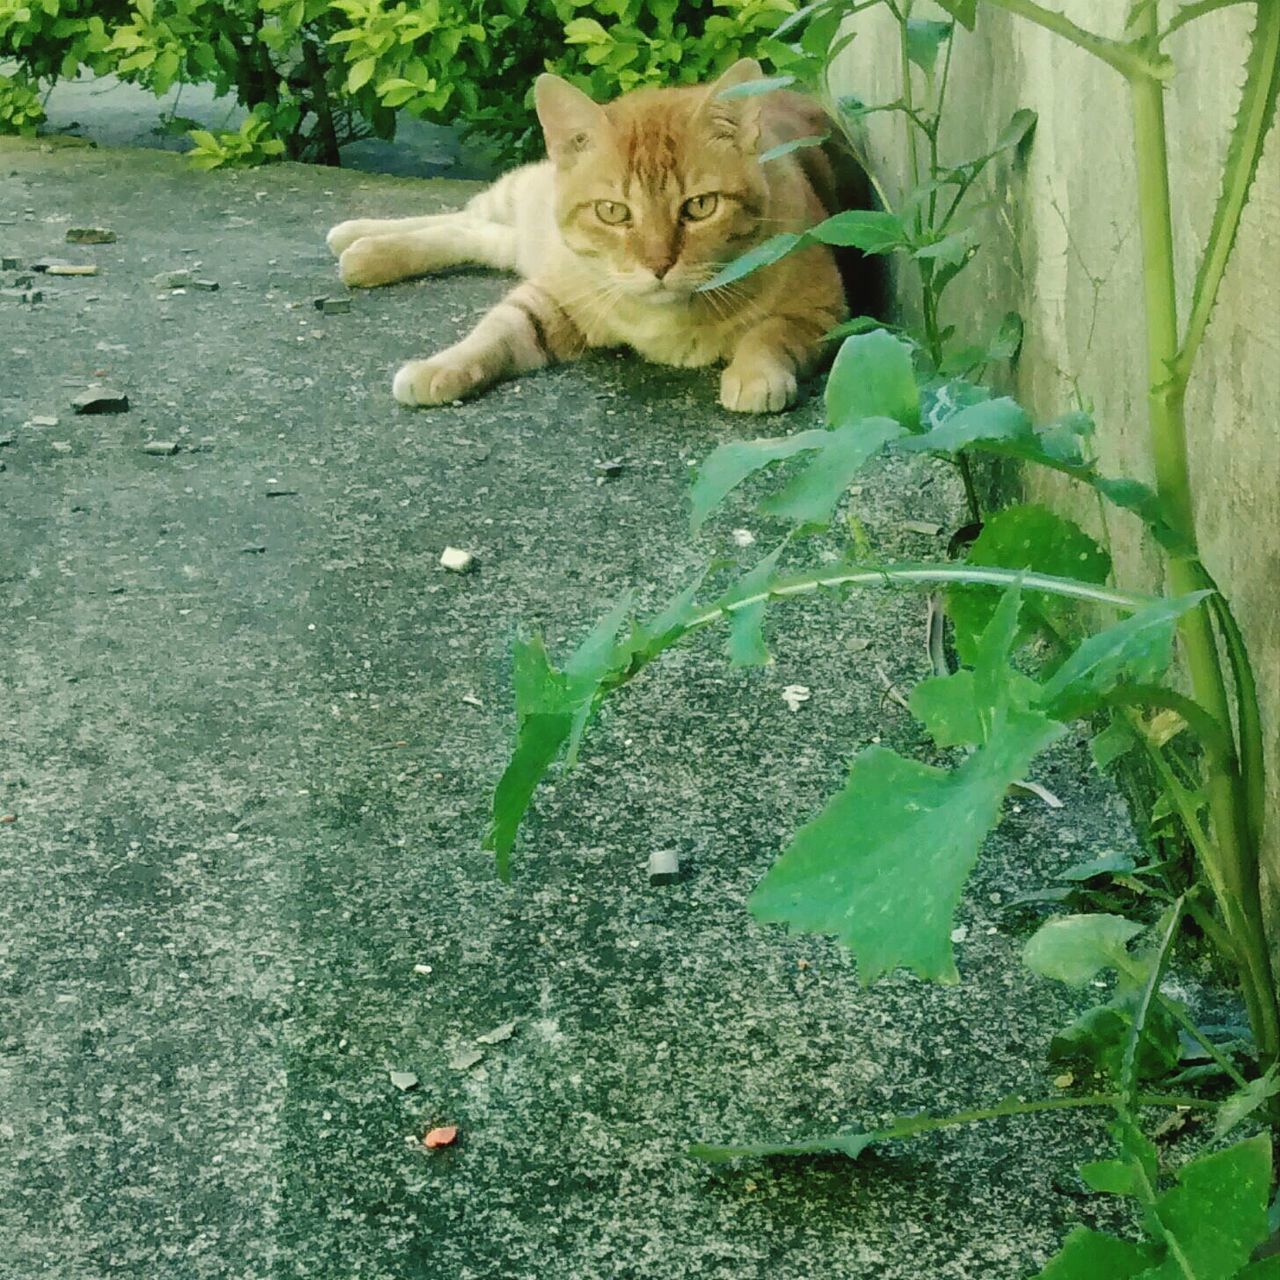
(612,213)
(696,208)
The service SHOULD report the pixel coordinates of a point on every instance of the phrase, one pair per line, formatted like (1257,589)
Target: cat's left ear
(571,122)
(735,119)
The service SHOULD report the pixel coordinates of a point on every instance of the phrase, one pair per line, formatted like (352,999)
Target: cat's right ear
(571,122)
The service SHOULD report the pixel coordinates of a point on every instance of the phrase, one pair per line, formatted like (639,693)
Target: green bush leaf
(883,865)
(873,377)
(1075,949)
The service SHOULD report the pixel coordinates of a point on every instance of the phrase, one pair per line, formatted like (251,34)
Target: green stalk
(1237,872)
(1124,58)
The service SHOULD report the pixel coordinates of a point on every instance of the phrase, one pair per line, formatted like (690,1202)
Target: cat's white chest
(666,334)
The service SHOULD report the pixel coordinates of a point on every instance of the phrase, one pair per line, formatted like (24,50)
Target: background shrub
(316,74)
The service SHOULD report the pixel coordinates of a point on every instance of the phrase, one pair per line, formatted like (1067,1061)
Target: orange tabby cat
(641,201)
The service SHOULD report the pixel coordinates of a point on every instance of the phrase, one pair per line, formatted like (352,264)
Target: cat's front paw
(440,380)
(345,234)
(371,261)
(757,389)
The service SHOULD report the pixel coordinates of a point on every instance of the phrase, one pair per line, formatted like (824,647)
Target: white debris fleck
(795,694)
(959,934)
(498,1034)
(471,700)
(423,969)
(456,560)
(743,538)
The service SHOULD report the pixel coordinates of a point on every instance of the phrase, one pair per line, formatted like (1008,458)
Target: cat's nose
(660,261)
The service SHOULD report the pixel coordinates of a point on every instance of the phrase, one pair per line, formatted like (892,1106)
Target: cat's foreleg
(345,234)
(400,255)
(769,359)
(527,330)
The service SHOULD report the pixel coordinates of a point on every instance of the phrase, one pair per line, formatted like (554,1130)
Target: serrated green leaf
(1267,1269)
(1091,1255)
(1020,125)
(945,706)
(1114,741)
(746,626)
(1075,949)
(764,254)
(1136,648)
(1110,864)
(924,39)
(1244,1102)
(753,88)
(1253,122)
(538,743)
(883,865)
(593,659)
(793,144)
(962,708)
(1099,1035)
(810,497)
(1024,537)
(963,11)
(1114,1177)
(730,464)
(988,420)
(1217,1214)
(873,377)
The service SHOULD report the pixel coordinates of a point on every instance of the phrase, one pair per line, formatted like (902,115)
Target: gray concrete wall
(1060,245)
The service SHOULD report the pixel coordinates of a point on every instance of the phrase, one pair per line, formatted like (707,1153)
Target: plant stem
(1236,876)
(1122,57)
(1190,12)
(912,574)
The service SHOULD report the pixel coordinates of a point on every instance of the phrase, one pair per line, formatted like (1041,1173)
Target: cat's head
(660,187)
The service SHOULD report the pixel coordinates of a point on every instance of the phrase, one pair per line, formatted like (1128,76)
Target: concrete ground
(248,731)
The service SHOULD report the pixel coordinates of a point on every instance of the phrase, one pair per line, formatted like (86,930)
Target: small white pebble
(743,537)
(796,694)
(422,968)
(456,560)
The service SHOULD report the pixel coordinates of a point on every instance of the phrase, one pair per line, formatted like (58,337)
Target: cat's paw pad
(439,380)
(345,234)
(757,390)
(370,262)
